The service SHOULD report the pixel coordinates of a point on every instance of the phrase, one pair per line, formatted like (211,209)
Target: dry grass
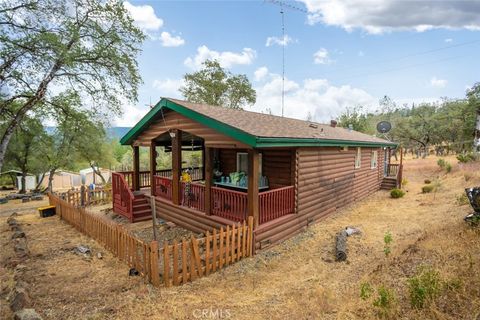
(297,279)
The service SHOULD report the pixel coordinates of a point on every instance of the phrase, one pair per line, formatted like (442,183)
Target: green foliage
(424,286)
(366,291)
(404,182)
(216,86)
(397,193)
(462,199)
(387,240)
(87,46)
(428,188)
(354,118)
(466,157)
(448,124)
(385,301)
(441,163)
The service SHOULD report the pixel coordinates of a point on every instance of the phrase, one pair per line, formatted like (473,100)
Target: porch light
(172,134)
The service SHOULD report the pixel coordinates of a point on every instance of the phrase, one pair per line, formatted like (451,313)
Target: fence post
(154,263)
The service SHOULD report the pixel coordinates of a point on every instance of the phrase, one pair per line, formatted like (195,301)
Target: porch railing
(144,176)
(229,204)
(392,169)
(195,198)
(122,195)
(276,203)
(163,187)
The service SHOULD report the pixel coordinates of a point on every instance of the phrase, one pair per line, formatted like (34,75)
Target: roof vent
(333,123)
(313,125)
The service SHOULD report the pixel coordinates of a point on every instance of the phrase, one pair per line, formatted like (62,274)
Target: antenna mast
(283,57)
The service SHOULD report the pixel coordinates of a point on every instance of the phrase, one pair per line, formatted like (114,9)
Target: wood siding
(174,120)
(326,181)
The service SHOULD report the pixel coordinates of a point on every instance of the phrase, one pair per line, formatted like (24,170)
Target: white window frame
(245,154)
(374,160)
(358,158)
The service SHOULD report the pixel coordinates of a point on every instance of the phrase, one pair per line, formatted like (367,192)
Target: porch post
(136,168)
(153,166)
(176,166)
(203,161)
(253,176)
(208,176)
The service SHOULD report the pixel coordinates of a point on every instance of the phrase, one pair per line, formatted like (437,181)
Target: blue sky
(338,53)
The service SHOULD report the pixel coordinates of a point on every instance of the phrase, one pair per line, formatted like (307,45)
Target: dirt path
(295,280)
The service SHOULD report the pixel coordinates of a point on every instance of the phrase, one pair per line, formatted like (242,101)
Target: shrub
(462,199)
(448,167)
(385,301)
(366,290)
(424,286)
(441,163)
(428,188)
(466,157)
(427,181)
(397,193)
(387,239)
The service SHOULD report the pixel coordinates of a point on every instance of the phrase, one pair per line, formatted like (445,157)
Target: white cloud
(448,40)
(278,41)
(226,59)
(322,57)
(169,87)
(317,96)
(378,16)
(171,41)
(438,83)
(144,16)
(131,115)
(260,73)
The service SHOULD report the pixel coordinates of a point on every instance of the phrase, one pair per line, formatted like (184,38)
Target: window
(242,162)
(374,160)
(358,158)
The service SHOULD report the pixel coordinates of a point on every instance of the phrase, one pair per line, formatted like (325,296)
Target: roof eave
(263,142)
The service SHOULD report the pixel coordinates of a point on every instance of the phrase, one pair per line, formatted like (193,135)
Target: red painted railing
(196,197)
(229,204)
(276,203)
(144,176)
(163,187)
(122,196)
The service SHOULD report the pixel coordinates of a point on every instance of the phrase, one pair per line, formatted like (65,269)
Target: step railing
(122,196)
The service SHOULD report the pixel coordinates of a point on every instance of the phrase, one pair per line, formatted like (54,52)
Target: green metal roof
(236,133)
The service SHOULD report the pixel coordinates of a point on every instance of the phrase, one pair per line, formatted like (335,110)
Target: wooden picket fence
(175,263)
(84,197)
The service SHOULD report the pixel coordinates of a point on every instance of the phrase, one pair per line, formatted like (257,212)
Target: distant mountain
(112,133)
(117,132)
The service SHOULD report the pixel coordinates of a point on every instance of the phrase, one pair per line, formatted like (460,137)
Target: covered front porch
(231,183)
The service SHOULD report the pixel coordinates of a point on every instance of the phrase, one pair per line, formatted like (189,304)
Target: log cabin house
(285,173)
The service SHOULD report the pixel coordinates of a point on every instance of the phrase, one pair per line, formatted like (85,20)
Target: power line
(407,56)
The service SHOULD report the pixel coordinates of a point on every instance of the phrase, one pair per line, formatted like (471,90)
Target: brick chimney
(333,123)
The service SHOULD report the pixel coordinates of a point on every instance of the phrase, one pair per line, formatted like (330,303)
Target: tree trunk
(24,181)
(341,246)
(37,187)
(99,173)
(476,141)
(50,179)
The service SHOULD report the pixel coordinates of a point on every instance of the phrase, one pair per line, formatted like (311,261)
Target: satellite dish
(384,126)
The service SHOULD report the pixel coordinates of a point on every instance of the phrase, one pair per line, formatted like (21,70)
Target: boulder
(20,299)
(27,314)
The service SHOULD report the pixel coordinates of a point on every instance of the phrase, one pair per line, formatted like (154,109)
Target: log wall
(326,181)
